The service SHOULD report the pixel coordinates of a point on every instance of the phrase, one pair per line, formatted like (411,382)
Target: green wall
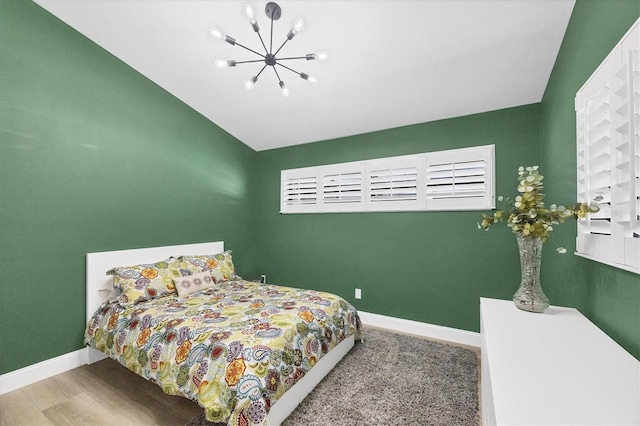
(610,297)
(424,266)
(93,156)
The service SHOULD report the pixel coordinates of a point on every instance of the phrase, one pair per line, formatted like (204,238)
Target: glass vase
(530,296)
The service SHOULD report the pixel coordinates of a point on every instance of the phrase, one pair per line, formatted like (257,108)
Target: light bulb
(321,56)
(215,32)
(221,63)
(285,90)
(249,84)
(297,26)
(248,12)
(310,78)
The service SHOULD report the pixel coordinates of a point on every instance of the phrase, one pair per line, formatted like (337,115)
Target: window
(608,156)
(393,183)
(458,179)
(300,190)
(342,188)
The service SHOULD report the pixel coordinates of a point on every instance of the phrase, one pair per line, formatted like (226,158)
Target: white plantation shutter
(299,191)
(627,125)
(598,158)
(460,179)
(342,188)
(608,156)
(456,180)
(393,183)
(634,152)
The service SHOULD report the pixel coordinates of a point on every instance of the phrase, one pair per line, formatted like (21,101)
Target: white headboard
(99,263)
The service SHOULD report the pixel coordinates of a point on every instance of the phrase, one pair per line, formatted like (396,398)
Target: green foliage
(527,214)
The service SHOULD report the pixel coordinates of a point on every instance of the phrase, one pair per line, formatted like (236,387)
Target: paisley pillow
(189,265)
(196,282)
(139,283)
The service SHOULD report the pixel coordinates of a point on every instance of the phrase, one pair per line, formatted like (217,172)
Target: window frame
(406,186)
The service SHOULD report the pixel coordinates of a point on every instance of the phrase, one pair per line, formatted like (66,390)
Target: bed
(247,352)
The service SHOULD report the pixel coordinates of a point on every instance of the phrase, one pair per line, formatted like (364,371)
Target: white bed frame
(99,263)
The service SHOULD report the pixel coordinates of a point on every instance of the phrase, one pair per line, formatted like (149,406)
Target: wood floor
(104,393)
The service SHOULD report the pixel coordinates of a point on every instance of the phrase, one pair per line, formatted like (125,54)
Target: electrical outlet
(358,293)
(263,278)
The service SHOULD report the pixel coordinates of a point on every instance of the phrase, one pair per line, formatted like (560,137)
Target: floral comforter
(235,350)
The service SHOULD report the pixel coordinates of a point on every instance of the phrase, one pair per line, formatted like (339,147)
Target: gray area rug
(393,379)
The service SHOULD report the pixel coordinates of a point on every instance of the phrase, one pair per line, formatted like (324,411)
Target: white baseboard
(42,370)
(423,329)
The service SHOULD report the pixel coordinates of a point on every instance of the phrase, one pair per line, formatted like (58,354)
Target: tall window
(608,156)
(458,179)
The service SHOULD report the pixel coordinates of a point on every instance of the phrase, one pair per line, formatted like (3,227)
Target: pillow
(139,283)
(107,292)
(189,265)
(196,282)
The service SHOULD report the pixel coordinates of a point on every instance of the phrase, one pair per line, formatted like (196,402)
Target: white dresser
(555,368)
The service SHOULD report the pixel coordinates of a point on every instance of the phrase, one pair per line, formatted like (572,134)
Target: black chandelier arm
(302,75)
(290,69)
(258,75)
(281,46)
(250,50)
(308,57)
(271,39)
(247,62)
(277,75)
(262,41)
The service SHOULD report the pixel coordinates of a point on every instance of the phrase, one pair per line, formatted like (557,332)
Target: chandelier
(269,58)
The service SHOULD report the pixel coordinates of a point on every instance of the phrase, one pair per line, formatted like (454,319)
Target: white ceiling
(391,63)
